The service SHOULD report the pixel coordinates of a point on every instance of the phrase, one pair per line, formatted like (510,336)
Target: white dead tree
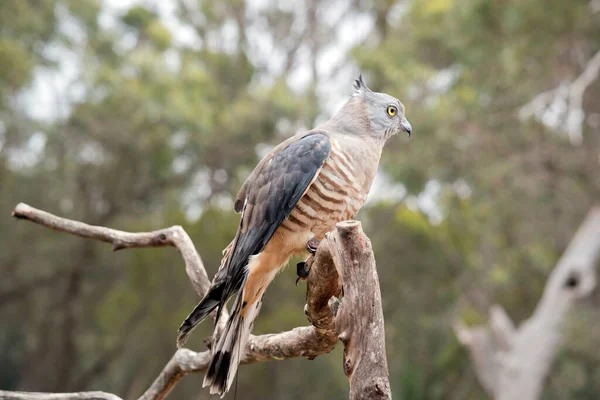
(344,257)
(513,363)
(562,107)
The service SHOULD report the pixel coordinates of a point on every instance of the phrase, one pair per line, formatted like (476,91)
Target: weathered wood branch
(6,395)
(323,289)
(360,317)
(174,236)
(514,363)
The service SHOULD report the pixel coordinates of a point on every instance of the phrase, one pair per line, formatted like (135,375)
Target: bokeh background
(144,114)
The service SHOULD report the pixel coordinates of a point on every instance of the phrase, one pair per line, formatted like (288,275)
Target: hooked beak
(405,126)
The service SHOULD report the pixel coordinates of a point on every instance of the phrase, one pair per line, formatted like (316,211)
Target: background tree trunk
(514,363)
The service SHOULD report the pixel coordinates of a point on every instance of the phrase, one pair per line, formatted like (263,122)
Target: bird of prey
(296,194)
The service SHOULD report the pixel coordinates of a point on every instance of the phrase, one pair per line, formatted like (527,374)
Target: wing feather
(268,197)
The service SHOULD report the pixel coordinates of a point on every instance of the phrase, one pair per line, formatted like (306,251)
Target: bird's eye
(392,111)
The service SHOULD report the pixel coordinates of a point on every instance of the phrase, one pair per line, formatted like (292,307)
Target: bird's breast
(337,193)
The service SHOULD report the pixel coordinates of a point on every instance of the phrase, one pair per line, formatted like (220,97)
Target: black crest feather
(360,85)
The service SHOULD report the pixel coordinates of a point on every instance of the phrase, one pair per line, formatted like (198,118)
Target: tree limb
(174,236)
(571,93)
(323,284)
(6,395)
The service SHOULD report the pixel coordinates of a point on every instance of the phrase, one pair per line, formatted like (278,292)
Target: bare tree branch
(576,115)
(174,236)
(513,363)
(570,93)
(6,395)
(323,285)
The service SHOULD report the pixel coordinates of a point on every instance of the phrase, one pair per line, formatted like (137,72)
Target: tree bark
(514,363)
(360,317)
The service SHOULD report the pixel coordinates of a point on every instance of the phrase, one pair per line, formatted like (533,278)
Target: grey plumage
(300,190)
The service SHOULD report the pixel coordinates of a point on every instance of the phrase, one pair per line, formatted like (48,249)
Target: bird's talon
(301,270)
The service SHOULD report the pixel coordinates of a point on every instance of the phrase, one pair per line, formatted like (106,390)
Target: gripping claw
(301,271)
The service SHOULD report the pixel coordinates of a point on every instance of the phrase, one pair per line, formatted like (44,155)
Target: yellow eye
(392,111)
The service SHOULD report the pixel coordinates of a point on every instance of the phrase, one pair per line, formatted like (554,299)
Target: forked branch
(174,236)
(323,285)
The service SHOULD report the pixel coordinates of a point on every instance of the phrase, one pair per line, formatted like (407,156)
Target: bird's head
(384,113)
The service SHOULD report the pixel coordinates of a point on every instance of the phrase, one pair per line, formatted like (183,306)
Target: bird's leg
(302,268)
(312,245)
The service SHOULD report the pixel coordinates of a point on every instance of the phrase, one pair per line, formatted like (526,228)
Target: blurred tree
(511,188)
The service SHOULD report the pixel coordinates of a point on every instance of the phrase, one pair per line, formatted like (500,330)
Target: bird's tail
(230,347)
(212,300)
(215,297)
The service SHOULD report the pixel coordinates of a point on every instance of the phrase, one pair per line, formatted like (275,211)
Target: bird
(293,197)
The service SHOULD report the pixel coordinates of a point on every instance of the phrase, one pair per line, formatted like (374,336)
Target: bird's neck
(350,120)
(365,153)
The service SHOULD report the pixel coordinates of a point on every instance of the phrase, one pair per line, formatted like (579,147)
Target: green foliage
(16,64)
(139,18)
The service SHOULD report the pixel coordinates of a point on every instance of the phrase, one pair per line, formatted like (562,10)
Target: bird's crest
(360,86)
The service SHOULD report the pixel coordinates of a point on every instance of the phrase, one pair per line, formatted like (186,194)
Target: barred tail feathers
(229,348)
(211,300)
(231,345)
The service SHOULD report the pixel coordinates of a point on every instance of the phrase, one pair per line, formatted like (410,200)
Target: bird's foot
(302,268)
(301,271)
(312,245)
